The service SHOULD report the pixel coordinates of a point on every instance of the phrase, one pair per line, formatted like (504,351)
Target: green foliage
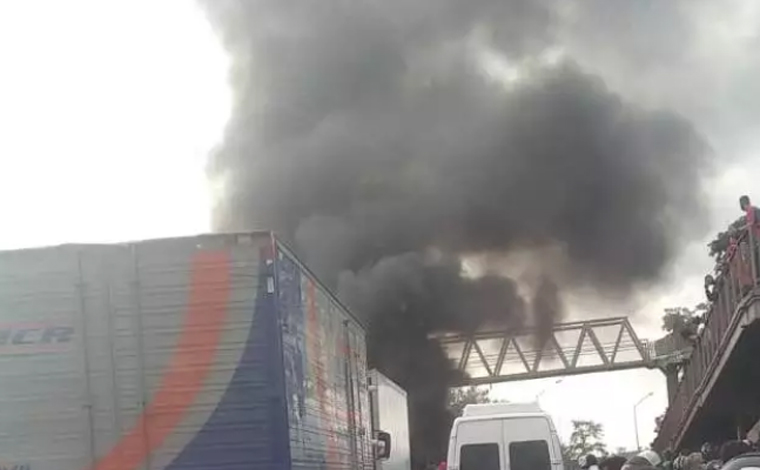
(683,319)
(719,245)
(587,438)
(460,397)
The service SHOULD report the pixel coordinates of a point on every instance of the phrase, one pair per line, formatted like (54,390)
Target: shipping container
(390,413)
(207,352)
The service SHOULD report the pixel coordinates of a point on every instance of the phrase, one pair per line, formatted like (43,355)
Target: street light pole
(541,393)
(636,419)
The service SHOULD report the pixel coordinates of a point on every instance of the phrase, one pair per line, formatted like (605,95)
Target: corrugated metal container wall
(392,416)
(324,350)
(42,393)
(155,355)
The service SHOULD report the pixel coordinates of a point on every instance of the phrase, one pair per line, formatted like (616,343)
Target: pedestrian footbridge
(713,381)
(583,347)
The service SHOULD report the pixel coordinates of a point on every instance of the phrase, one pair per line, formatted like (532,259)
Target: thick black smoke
(406,297)
(384,140)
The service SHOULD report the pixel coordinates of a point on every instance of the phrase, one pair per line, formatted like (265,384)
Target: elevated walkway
(713,399)
(583,347)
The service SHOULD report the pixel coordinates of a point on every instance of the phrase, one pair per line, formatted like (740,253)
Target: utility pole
(541,393)
(636,419)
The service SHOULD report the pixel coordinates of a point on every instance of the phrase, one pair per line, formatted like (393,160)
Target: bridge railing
(737,277)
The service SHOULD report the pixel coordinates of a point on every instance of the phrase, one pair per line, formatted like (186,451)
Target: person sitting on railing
(733,247)
(711,288)
(752,214)
(752,218)
(737,268)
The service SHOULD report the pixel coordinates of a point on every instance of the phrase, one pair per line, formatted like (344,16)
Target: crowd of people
(709,457)
(736,255)
(737,259)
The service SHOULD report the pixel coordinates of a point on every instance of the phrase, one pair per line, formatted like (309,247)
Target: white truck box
(390,414)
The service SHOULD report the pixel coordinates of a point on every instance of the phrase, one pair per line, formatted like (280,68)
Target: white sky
(106,120)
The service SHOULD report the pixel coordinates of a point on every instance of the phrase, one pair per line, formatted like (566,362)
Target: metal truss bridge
(712,377)
(581,347)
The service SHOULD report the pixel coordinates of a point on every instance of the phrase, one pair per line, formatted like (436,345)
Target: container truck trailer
(392,416)
(210,352)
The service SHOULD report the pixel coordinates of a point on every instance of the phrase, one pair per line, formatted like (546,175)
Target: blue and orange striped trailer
(209,352)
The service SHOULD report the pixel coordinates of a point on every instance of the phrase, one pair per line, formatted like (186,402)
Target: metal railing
(735,282)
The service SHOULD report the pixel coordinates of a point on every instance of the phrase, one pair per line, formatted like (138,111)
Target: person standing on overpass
(752,218)
(751,213)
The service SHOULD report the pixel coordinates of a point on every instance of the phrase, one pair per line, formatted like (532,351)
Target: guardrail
(735,281)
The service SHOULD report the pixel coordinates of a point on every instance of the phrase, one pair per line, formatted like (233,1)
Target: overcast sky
(107,116)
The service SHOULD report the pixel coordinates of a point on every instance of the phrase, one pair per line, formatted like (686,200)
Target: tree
(683,321)
(677,319)
(719,245)
(460,397)
(587,438)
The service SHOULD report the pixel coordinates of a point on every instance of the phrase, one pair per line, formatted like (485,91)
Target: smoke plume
(388,140)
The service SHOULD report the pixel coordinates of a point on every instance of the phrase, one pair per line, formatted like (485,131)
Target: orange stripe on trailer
(316,353)
(188,367)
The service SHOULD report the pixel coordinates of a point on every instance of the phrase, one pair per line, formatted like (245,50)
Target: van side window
(529,455)
(479,457)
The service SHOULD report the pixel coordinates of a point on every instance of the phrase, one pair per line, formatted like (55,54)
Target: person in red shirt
(442,465)
(751,213)
(741,274)
(752,218)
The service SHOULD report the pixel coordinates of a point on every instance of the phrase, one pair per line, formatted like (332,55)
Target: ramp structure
(714,397)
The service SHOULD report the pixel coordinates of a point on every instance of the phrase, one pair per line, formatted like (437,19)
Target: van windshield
(479,457)
(529,455)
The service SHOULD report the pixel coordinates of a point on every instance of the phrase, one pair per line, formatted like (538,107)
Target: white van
(504,436)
